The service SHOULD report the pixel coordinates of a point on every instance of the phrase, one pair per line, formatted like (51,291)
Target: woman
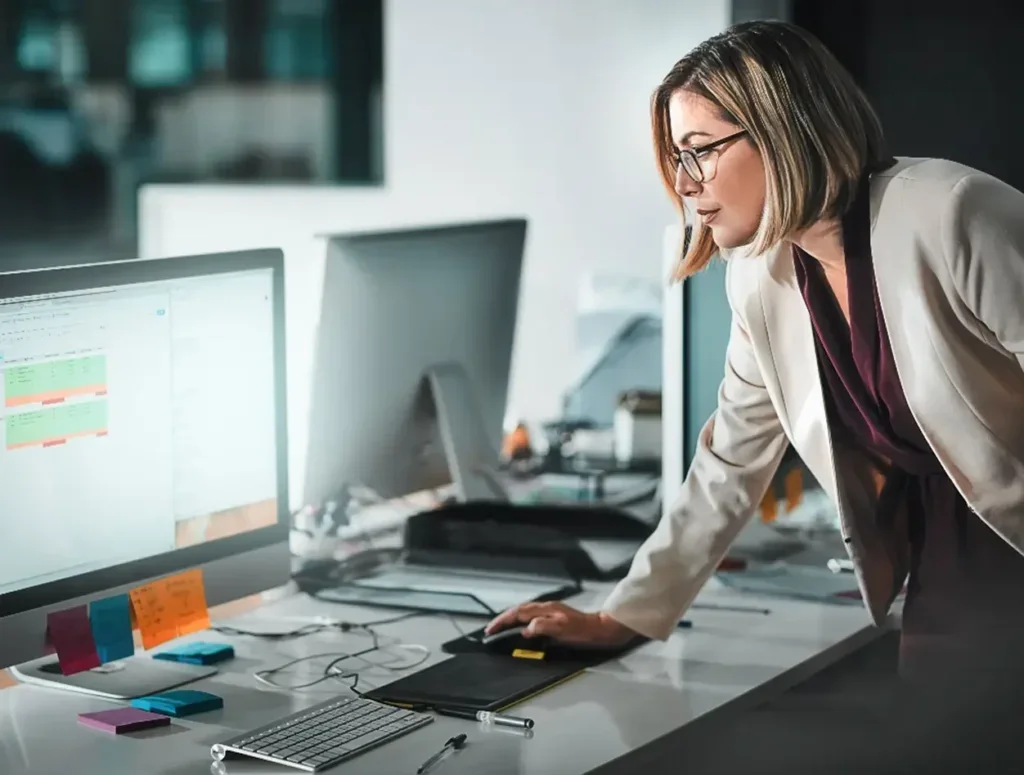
(877,327)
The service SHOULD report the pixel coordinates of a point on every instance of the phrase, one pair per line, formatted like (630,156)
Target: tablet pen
(487,717)
(456,743)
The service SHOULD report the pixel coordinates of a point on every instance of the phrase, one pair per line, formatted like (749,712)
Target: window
(160,43)
(37,44)
(295,40)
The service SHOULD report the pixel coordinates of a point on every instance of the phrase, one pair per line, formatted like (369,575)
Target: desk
(726,663)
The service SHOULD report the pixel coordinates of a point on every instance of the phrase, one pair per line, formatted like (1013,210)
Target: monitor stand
(472,460)
(123,680)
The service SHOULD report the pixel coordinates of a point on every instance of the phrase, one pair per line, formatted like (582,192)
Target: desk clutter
(153,711)
(479,678)
(89,636)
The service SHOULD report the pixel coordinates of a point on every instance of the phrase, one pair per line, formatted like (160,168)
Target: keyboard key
(368,739)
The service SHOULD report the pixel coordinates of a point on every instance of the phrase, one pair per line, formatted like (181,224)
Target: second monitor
(413,356)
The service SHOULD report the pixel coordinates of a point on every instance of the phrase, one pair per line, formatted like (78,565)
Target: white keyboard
(320,737)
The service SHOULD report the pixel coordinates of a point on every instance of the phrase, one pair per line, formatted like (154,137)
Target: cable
(313,628)
(300,632)
(262,675)
(332,671)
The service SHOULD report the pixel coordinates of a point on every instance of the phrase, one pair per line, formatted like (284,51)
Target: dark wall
(947,78)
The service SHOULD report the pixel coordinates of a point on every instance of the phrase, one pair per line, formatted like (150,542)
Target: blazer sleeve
(738,453)
(983,240)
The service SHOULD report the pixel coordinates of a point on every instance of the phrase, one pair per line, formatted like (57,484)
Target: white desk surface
(727,658)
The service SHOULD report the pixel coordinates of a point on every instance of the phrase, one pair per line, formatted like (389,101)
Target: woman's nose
(685,185)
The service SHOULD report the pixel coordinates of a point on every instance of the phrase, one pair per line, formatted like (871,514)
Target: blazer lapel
(789,337)
(790,340)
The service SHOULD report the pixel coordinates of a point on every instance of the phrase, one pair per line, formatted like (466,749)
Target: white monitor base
(124,680)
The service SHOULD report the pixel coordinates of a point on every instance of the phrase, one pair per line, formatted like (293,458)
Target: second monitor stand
(471,457)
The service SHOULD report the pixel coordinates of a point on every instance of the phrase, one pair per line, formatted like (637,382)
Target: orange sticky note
(153,613)
(794,483)
(188,594)
(170,608)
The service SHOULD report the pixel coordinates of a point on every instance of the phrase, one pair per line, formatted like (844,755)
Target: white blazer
(948,251)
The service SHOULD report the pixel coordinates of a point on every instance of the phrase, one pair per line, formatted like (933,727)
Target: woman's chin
(729,241)
(724,238)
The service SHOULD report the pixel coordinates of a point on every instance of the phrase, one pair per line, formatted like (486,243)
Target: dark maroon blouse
(965,594)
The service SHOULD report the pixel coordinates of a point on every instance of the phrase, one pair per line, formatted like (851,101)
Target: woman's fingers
(552,625)
(504,620)
(521,614)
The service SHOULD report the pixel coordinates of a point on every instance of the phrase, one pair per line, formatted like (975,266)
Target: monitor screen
(136,420)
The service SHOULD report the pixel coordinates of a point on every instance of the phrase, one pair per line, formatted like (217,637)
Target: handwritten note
(153,614)
(71,635)
(111,622)
(188,600)
(170,608)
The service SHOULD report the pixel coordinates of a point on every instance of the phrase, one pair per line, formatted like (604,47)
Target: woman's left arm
(983,239)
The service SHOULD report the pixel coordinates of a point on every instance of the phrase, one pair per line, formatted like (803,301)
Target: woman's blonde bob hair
(814,128)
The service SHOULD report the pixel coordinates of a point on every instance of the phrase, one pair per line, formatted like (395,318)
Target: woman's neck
(824,243)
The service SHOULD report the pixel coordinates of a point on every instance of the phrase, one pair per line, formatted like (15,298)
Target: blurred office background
(101,96)
(460,109)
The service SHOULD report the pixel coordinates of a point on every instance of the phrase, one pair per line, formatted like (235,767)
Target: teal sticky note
(181,702)
(111,621)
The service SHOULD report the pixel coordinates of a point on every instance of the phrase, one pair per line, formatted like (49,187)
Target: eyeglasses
(692,159)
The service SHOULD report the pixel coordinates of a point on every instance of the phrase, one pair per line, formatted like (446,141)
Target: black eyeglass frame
(683,155)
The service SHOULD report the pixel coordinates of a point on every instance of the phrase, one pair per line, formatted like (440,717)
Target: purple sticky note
(71,636)
(121,720)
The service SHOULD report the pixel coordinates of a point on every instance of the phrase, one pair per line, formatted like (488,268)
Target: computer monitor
(142,433)
(413,354)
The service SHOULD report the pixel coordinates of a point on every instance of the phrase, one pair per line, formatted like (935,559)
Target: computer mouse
(513,638)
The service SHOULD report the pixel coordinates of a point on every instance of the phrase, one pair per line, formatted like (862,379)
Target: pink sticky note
(71,635)
(120,720)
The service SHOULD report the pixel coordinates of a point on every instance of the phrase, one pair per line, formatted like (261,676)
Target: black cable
(301,632)
(352,686)
(487,610)
(314,628)
(331,669)
(344,627)
(393,619)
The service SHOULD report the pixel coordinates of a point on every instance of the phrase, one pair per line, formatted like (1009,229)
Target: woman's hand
(563,623)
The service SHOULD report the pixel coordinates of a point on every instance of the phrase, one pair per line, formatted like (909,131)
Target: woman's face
(730,199)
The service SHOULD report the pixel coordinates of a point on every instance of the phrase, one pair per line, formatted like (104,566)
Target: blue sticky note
(180,702)
(111,622)
(199,653)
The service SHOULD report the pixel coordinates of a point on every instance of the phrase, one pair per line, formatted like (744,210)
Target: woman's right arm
(737,455)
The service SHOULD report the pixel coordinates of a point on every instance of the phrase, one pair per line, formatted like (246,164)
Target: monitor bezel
(124,273)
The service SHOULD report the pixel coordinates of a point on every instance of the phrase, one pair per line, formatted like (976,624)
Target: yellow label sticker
(528,654)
